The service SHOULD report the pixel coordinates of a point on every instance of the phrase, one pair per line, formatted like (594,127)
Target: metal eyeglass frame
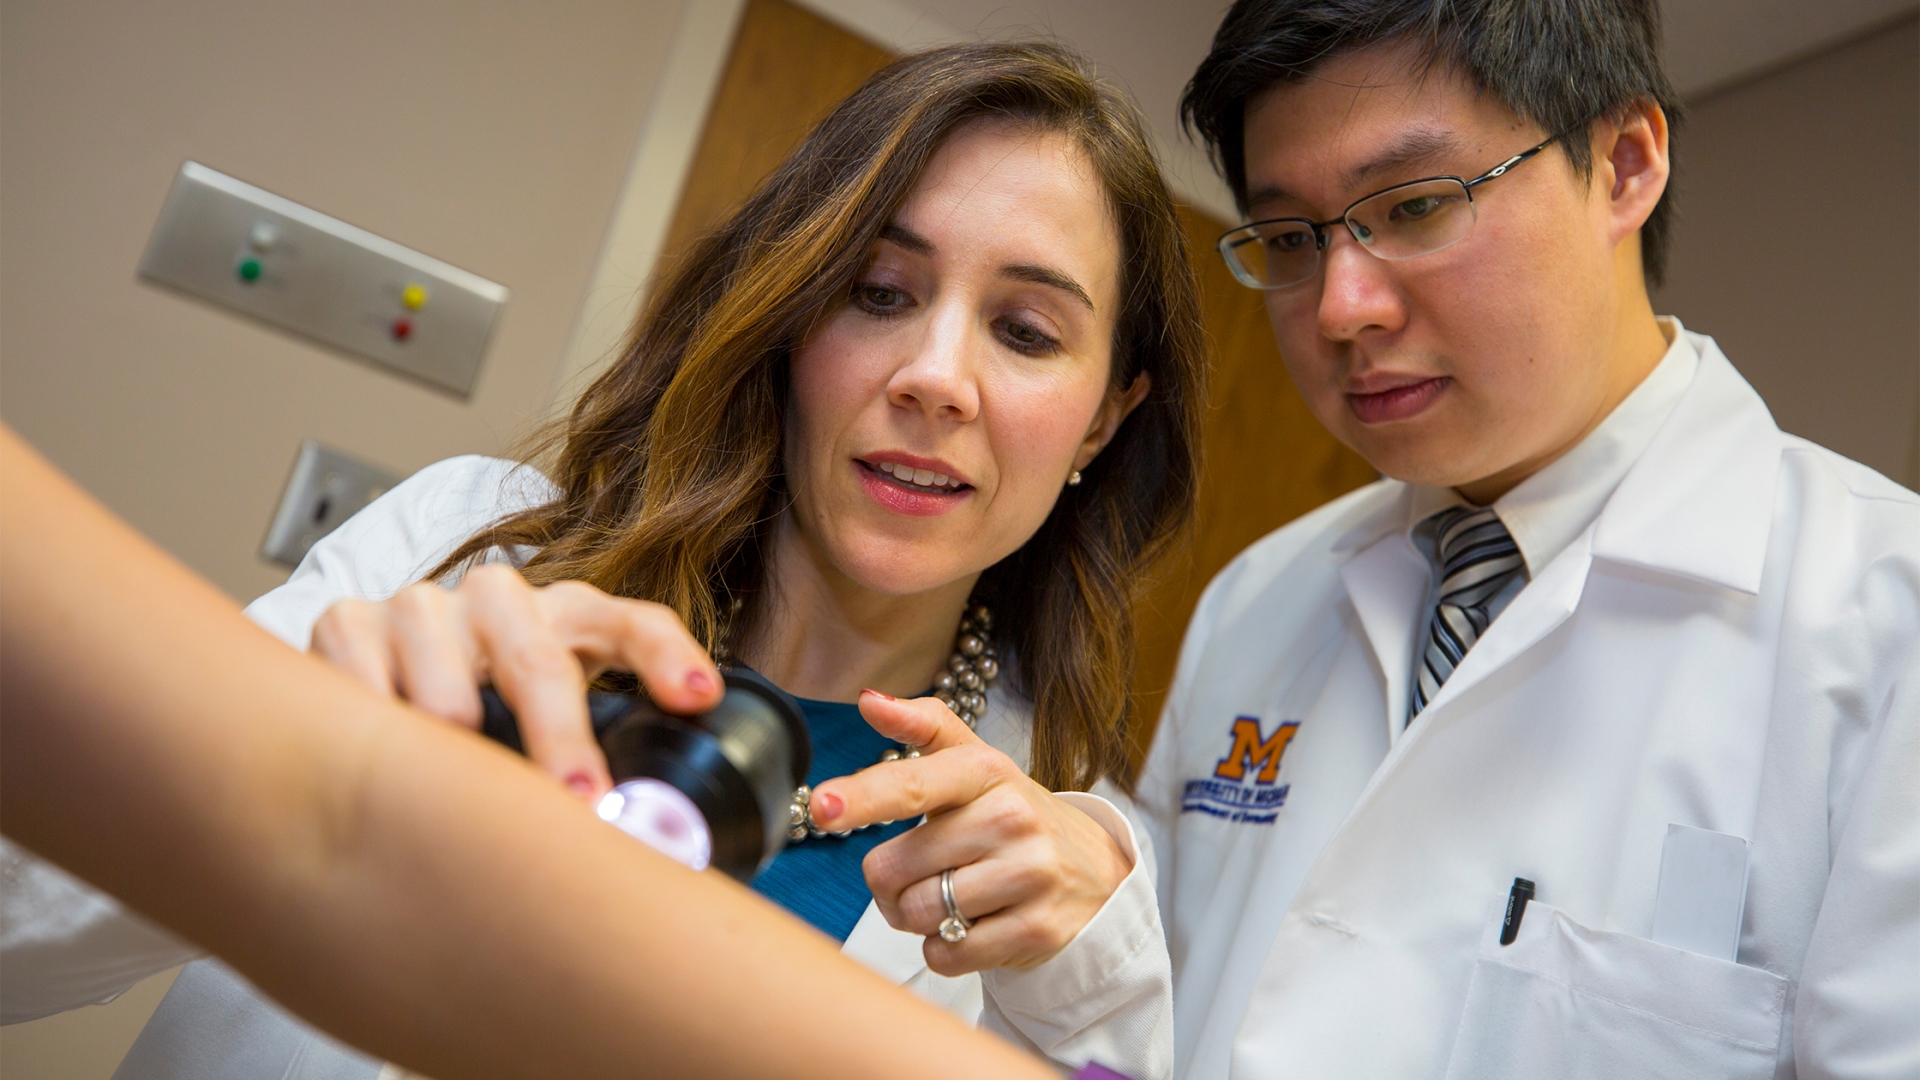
(1321,229)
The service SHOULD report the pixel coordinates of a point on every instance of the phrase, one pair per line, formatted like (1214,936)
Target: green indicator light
(249,269)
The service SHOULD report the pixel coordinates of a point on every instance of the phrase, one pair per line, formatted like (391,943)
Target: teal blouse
(820,880)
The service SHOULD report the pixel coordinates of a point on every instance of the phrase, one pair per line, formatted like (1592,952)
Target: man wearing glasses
(1587,742)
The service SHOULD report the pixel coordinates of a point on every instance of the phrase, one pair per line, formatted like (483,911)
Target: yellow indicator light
(413,297)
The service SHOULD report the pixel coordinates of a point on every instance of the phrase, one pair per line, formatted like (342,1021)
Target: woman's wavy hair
(670,464)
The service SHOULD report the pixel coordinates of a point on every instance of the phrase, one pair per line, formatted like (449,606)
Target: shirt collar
(1700,502)
(1547,510)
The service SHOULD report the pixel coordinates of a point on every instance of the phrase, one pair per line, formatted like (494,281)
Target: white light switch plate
(327,488)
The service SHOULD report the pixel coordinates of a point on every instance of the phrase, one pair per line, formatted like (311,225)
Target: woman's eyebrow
(907,238)
(1038,275)
(1046,275)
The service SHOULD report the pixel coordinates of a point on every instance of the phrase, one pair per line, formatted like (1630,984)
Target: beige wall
(490,134)
(494,135)
(1798,246)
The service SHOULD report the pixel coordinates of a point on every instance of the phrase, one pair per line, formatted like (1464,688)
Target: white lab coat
(1105,997)
(1734,644)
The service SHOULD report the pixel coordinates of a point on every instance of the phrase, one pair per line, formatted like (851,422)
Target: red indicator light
(402,328)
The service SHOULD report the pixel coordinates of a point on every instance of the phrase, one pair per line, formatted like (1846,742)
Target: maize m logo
(1242,787)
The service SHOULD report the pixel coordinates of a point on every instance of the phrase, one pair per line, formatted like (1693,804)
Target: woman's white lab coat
(1733,645)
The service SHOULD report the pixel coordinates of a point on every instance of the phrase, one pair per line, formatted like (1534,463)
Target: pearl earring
(1073,477)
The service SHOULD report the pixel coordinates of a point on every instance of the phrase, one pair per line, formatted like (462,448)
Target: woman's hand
(539,647)
(1031,870)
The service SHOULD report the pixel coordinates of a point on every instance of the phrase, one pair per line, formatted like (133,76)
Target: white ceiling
(1152,46)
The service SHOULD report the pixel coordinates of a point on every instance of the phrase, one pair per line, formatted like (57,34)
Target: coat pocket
(1577,1004)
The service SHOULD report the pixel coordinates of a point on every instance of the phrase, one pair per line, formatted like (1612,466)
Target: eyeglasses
(1415,218)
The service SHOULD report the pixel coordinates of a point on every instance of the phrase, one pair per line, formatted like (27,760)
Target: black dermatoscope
(709,790)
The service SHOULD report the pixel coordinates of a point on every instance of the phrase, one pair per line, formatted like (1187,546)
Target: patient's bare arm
(421,893)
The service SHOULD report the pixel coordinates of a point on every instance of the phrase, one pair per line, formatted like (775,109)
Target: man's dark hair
(1559,63)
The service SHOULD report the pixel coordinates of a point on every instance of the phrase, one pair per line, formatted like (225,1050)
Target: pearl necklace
(962,687)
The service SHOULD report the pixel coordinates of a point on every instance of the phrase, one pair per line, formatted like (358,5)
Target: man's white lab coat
(1734,644)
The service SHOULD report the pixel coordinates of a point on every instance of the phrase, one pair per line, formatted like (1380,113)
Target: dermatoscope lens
(658,815)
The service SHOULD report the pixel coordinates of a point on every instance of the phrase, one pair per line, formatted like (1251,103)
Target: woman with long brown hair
(915,419)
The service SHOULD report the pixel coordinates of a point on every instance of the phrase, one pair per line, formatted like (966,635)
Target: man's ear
(1114,408)
(1631,164)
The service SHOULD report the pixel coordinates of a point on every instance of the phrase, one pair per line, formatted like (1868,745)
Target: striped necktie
(1478,560)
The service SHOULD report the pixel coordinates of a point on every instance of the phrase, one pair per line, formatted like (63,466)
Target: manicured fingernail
(878,694)
(700,682)
(827,805)
(580,784)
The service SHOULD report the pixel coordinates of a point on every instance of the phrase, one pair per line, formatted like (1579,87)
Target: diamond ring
(953,928)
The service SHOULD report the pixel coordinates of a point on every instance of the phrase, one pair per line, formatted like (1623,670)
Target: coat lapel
(1541,607)
(1699,503)
(1386,581)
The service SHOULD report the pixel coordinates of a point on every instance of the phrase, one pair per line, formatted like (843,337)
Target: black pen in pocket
(1517,898)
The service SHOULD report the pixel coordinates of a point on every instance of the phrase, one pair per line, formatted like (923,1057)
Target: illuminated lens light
(658,815)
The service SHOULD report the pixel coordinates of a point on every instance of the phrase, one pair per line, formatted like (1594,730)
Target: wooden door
(788,69)
(1269,460)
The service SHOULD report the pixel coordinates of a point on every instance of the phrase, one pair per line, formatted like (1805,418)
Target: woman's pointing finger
(923,722)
